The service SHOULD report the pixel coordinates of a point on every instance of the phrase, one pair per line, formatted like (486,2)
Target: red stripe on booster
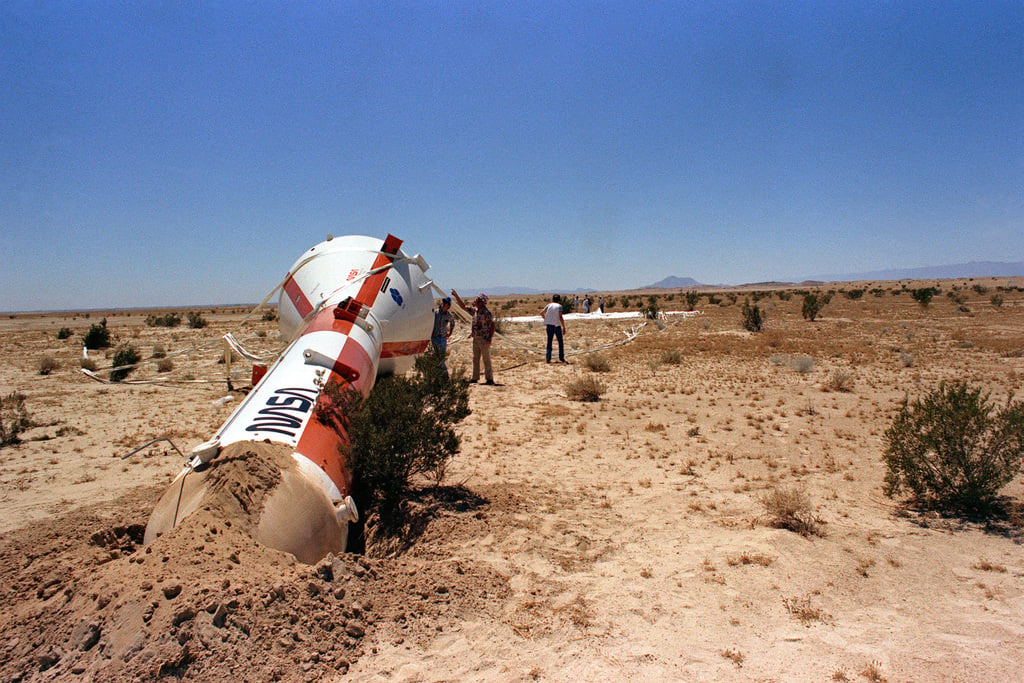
(406,348)
(297,297)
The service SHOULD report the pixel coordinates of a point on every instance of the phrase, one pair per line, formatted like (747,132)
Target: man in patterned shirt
(482,333)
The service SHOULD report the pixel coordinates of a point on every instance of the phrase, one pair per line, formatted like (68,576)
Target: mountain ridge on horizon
(953,270)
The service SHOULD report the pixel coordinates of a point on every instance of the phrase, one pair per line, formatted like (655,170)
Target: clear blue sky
(174,153)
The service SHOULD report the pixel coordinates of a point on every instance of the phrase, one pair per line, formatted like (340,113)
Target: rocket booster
(353,307)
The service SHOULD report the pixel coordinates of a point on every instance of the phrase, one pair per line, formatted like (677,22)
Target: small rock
(172,591)
(85,635)
(49,660)
(183,616)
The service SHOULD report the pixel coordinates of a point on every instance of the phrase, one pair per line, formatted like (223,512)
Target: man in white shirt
(555,326)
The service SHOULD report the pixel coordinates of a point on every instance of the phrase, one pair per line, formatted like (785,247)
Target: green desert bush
(953,449)
(692,298)
(813,303)
(159,351)
(585,389)
(753,321)
(924,295)
(404,428)
(63,333)
(165,320)
(164,365)
(87,364)
(98,336)
(125,358)
(14,418)
(196,321)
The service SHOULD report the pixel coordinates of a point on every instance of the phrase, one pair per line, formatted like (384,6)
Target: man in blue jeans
(443,326)
(555,326)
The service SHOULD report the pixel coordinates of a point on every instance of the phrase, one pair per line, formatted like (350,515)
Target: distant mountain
(972,269)
(673,282)
(505,291)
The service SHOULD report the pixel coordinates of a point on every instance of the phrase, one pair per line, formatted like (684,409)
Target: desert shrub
(839,380)
(585,389)
(159,351)
(596,362)
(672,357)
(98,336)
(269,316)
(996,300)
(63,333)
(405,427)
(165,320)
(802,364)
(87,364)
(196,321)
(691,300)
(47,364)
(813,303)
(953,449)
(908,359)
(784,295)
(853,294)
(790,508)
(164,365)
(753,321)
(14,418)
(924,295)
(124,361)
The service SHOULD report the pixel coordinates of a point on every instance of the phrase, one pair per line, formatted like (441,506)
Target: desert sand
(624,539)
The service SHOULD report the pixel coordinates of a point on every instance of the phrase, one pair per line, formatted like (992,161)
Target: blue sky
(165,153)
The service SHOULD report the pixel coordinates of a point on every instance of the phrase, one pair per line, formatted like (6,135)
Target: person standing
(444,323)
(555,322)
(600,304)
(482,332)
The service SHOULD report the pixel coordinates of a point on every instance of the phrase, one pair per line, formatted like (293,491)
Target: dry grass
(790,508)
(585,389)
(802,609)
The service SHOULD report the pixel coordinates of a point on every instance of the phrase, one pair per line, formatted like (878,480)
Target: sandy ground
(619,540)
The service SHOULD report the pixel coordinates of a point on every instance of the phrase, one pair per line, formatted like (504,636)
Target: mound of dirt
(203,601)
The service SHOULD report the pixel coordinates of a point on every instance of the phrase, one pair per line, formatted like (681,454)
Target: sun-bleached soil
(625,539)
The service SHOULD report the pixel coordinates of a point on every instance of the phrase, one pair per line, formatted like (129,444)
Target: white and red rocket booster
(353,307)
